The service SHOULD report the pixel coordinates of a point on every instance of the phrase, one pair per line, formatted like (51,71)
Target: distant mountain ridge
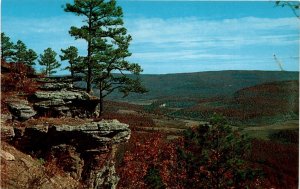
(203,84)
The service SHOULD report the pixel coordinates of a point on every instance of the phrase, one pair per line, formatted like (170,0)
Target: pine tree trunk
(100,100)
(89,80)
(89,66)
(101,106)
(72,77)
(89,74)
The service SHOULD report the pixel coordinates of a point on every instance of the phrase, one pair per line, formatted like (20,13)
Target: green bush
(215,156)
(285,136)
(153,178)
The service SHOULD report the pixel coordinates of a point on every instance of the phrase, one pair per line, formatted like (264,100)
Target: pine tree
(49,61)
(31,56)
(107,49)
(91,11)
(6,47)
(215,156)
(71,54)
(20,52)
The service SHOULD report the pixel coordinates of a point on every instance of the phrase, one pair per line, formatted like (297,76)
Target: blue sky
(173,36)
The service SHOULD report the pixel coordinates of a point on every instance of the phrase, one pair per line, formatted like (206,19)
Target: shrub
(18,78)
(285,136)
(215,157)
(153,178)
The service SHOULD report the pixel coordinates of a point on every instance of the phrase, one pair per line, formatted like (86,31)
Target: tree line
(18,53)
(105,64)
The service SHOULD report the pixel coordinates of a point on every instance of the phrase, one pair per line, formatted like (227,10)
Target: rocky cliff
(86,150)
(81,147)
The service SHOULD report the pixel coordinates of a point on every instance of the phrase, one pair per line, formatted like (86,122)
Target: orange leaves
(144,150)
(279,162)
(17,79)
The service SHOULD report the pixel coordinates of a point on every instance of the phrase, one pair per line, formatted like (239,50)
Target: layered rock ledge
(86,150)
(64,103)
(21,110)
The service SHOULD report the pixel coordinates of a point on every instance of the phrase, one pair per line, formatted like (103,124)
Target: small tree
(108,82)
(153,178)
(20,53)
(215,157)
(6,47)
(31,56)
(71,54)
(49,61)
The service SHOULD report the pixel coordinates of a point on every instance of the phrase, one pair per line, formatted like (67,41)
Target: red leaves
(145,149)
(279,162)
(17,79)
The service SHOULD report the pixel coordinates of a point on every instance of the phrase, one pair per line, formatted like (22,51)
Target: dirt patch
(127,112)
(27,172)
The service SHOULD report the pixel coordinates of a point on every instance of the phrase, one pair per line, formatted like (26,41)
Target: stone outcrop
(7,132)
(66,158)
(86,151)
(55,86)
(58,98)
(21,110)
(7,156)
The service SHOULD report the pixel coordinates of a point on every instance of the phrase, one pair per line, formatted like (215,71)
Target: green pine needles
(215,156)
(105,64)
(48,59)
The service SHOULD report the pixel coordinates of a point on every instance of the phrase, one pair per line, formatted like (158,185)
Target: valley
(262,106)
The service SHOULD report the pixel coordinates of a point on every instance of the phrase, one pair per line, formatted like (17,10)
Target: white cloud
(41,33)
(184,55)
(178,40)
(185,30)
(193,40)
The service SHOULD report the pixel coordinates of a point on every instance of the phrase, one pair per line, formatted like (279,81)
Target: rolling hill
(264,103)
(202,85)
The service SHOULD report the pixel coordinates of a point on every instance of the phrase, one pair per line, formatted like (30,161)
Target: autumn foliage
(18,77)
(278,161)
(205,157)
(146,151)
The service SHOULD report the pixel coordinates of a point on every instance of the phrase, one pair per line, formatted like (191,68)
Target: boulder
(55,86)
(21,111)
(64,103)
(7,132)
(59,79)
(54,102)
(58,98)
(5,117)
(63,95)
(7,156)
